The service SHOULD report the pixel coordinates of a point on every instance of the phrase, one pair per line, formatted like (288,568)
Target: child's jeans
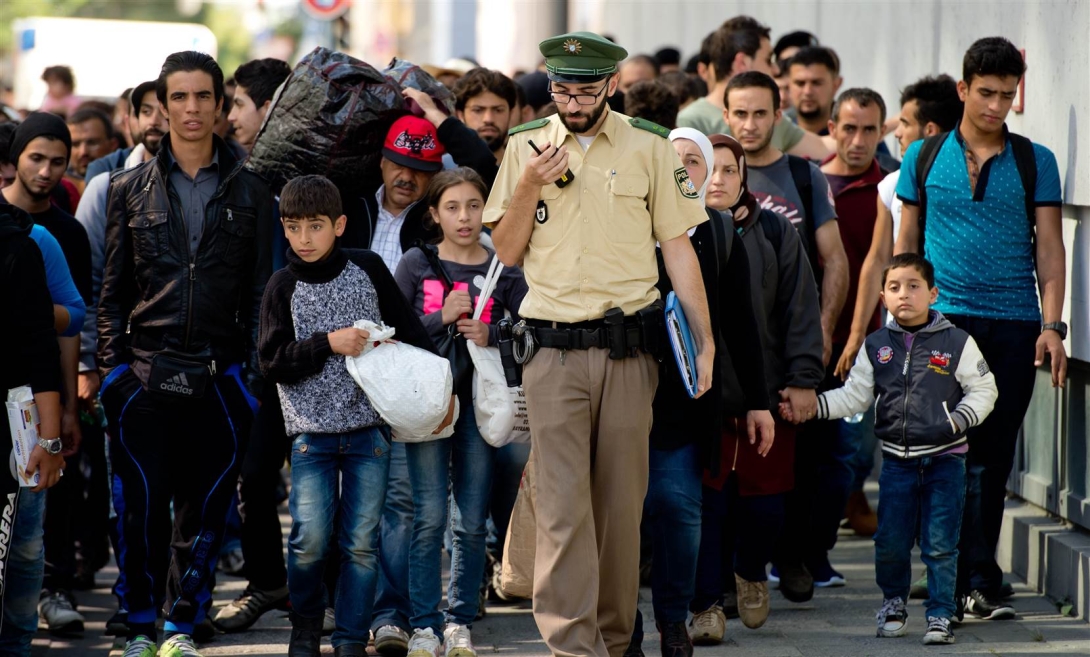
(337,478)
(929,494)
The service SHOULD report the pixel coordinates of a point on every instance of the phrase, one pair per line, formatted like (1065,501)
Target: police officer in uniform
(583,217)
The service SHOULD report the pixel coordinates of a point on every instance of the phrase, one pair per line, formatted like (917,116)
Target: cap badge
(572,46)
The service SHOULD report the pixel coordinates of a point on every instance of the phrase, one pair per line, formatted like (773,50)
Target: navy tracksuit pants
(187,452)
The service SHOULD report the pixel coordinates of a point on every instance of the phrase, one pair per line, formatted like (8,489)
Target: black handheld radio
(565,177)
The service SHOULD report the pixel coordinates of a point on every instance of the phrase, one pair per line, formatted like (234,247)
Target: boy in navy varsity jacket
(932,384)
(340,449)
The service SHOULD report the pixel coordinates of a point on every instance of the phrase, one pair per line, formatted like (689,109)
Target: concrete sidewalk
(836,622)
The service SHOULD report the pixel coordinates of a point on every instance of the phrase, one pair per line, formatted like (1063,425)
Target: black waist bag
(178,378)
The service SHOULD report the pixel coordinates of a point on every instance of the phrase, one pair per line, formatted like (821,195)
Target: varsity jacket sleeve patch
(978,384)
(283,358)
(857,394)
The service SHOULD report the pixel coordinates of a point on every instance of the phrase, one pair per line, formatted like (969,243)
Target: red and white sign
(326,10)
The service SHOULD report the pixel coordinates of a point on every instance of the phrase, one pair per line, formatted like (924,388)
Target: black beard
(809,116)
(591,119)
(496,143)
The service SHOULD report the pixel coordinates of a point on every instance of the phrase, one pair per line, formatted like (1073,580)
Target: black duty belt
(622,336)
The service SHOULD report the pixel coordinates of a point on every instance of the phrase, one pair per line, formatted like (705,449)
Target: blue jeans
(671,511)
(920,498)
(337,478)
(392,605)
(860,434)
(465,461)
(25,571)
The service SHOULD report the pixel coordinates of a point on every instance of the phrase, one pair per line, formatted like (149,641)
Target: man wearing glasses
(581,200)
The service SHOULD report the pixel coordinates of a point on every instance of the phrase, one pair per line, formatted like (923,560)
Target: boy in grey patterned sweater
(340,448)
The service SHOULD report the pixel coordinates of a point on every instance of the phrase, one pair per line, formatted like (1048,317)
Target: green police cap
(580,57)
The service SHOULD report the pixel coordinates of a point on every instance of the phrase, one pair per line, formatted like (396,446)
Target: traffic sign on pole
(326,10)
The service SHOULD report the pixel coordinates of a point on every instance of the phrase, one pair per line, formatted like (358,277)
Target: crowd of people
(185,328)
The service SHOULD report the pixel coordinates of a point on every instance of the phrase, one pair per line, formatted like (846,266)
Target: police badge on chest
(542,214)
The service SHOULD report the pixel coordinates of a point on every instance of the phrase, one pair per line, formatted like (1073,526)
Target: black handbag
(452,344)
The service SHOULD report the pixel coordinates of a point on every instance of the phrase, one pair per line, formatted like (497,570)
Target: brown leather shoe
(861,518)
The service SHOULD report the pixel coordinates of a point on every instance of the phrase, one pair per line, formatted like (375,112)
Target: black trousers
(1009,347)
(187,452)
(78,511)
(823,481)
(262,538)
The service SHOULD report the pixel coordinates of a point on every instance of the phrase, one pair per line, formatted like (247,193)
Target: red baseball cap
(412,142)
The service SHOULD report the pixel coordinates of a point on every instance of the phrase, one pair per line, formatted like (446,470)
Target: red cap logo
(412,142)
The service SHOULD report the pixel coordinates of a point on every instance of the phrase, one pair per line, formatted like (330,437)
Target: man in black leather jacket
(187,259)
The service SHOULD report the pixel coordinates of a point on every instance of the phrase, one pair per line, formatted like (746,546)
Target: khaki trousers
(590,418)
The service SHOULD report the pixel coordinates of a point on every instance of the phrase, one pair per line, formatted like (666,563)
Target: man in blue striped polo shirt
(981,238)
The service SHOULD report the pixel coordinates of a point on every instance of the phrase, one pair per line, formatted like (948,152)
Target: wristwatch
(1059,327)
(51,445)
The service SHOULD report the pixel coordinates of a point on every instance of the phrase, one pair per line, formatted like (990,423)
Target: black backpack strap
(773,230)
(1026,162)
(924,161)
(800,174)
(432,254)
(719,227)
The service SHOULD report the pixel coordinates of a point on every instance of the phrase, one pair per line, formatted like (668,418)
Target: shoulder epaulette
(532,125)
(650,126)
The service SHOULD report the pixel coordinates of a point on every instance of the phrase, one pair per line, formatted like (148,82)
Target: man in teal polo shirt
(981,240)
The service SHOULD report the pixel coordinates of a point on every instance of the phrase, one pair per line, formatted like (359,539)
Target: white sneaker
(708,627)
(58,612)
(457,641)
(424,644)
(391,640)
(329,621)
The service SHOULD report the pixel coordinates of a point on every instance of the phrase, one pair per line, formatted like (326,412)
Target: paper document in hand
(23,421)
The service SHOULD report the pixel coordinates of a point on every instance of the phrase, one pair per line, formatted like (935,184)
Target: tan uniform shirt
(595,250)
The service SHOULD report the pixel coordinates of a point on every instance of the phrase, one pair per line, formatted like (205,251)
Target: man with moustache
(391,220)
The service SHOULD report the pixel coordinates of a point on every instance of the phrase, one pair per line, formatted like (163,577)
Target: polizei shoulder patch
(688,189)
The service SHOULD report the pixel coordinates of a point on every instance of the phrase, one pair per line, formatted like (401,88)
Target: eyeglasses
(581,99)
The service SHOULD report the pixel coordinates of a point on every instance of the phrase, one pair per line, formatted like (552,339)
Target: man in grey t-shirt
(753,105)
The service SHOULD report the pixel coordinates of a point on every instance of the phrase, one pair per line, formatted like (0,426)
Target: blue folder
(681,342)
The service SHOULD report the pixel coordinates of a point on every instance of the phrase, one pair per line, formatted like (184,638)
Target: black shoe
(118,625)
(675,640)
(959,611)
(796,584)
(350,650)
(306,637)
(1006,590)
(634,650)
(987,608)
(204,631)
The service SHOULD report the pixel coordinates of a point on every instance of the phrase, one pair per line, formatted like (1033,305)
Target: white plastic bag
(500,410)
(408,386)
